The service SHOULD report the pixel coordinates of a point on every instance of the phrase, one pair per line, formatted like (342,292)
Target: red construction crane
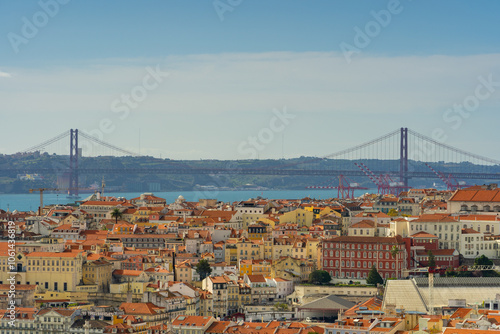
(385,184)
(345,189)
(450,182)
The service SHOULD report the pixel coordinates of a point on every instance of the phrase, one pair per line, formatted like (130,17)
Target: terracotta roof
(53,254)
(120,272)
(423,234)
(469,231)
(65,313)
(140,308)
(364,224)
(257,278)
(437,252)
(466,331)
(461,313)
(378,240)
(191,321)
(476,194)
(435,218)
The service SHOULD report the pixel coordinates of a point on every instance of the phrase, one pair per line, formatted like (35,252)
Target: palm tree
(394,253)
(116,213)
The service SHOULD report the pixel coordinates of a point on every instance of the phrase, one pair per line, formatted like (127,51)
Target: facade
(475,200)
(444,258)
(353,257)
(191,324)
(445,227)
(50,271)
(292,269)
(474,244)
(24,295)
(218,286)
(99,272)
(262,292)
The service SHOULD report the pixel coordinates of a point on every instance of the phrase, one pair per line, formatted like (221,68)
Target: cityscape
(249,167)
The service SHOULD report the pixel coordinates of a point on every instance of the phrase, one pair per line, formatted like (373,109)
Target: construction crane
(345,189)
(41,190)
(384,183)
(451,183)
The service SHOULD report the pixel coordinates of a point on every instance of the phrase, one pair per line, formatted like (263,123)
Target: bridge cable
(39,147)
(454,149)
(100,142)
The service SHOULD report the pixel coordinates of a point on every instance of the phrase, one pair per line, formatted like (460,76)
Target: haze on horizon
(209,76)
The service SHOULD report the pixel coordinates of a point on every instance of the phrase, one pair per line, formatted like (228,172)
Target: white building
(284,287)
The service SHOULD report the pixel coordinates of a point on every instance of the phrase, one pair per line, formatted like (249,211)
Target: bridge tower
(73,162)
(403,159)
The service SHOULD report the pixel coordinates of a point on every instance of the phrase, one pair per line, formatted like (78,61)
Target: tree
(319,277)
(450,272)
(374,277)
(116,213)
(203,269)
(394,254)
(432,259)
(281,306)
(393,213)
(482,261)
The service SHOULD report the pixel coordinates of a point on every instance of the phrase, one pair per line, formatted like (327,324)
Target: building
(148,312)
(444,258)
(475,200)
(353,257)
(191,324)
(262,292)
(364,228)
(445,227)
(218,287)
(24,295)
(99,272)
(292,269)
(49,270)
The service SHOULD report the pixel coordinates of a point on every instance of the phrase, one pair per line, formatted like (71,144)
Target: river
(27,202)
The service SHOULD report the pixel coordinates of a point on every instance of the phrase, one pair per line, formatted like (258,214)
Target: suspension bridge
(388,161)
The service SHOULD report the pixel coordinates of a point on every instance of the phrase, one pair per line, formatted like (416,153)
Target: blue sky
(225,77)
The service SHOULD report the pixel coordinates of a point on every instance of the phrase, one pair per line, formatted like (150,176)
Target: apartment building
(49,270)
(353,257)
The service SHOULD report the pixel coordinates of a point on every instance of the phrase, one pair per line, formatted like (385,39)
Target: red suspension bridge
(389,161)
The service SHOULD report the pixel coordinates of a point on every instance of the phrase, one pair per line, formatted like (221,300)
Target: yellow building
(184,272)
(246,267)
(231,252)
(301,217)
(258,231)
(49,270)
(98,273)
(206,303)
(292,269)
(255,267)
(282,247)
(249,218)
(141,216)
(249,249)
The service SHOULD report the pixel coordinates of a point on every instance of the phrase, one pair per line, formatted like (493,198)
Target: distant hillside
(10,182)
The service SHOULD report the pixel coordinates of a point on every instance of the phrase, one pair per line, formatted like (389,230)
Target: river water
(27,202)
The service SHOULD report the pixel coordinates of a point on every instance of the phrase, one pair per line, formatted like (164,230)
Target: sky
(239,79)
